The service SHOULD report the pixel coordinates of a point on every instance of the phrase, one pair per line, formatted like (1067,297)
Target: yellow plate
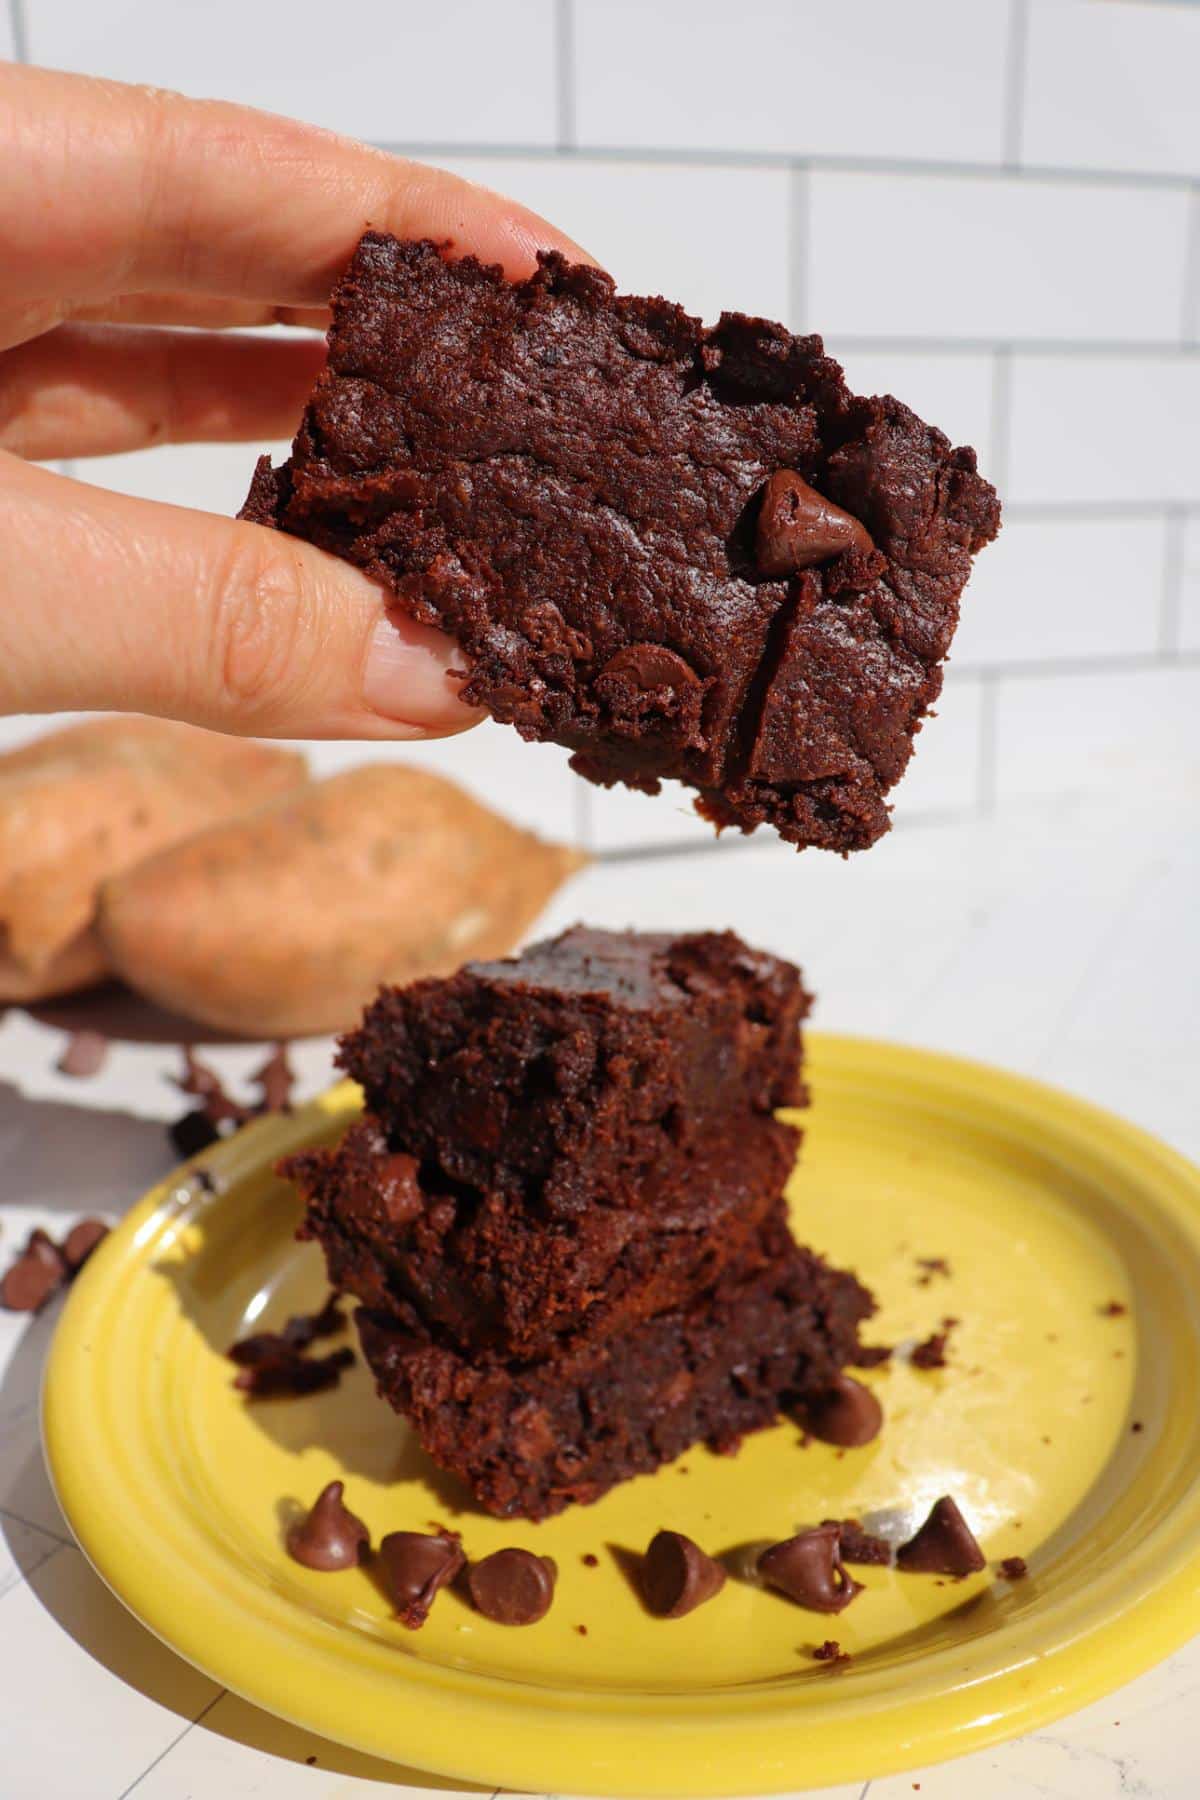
(1047,1211)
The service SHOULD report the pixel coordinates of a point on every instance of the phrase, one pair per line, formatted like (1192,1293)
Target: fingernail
(407,676)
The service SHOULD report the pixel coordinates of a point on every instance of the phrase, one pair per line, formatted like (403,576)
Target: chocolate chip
(945,1545)
(651,666)
(276,1079)
(329,1536)
(35,1276)
(416,1566)
(859,1546)
(798,528)
(192,1133)
(512,1587)
(205,1085)
(677,1576)
(847,1414)
(86,1054)
(81,1240)
(1014,1568)
(643,683)
(808,1569)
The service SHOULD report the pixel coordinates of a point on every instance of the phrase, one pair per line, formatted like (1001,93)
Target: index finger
(112,189)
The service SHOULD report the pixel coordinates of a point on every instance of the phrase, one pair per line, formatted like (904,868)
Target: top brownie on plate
(573,1074)
(681,552)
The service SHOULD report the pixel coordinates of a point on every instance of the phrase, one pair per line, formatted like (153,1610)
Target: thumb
(107,602)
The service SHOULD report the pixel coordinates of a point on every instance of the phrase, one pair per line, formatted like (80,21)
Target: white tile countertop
(1058,940)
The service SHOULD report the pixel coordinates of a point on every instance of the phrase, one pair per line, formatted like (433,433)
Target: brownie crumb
(1113,1309)
(931,1266)
(930,1353)
(869,1356)
(284,1373)
(1014,1568)
(582,1630)
(858,1545)
(1137,1426)
(42,1267)
(275,1081)
(831,1652)
(589,1561)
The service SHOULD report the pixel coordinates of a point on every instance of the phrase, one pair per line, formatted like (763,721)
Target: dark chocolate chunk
(558,475)
(847,1414)
(329,1536)
(86,1054)
(945,1545)
(512,1587)
(858,1545)
(798,528)
(677,1576)
(275,1079)
(35,1276)
(808,1569)
(81,1240)
(1014,1568)
(416,1567)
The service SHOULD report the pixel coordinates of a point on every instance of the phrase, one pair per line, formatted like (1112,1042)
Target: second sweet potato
(285,922)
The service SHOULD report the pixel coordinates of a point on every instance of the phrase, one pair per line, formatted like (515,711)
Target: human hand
(125,214)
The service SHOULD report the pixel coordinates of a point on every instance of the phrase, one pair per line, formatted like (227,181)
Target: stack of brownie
(563,1211)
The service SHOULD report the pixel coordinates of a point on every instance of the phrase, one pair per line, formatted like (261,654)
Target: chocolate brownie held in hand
(682,553)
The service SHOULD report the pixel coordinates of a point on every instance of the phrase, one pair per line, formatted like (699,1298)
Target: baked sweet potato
(286,921)
(81,804)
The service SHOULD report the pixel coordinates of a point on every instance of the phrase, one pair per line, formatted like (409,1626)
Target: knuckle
(258,625)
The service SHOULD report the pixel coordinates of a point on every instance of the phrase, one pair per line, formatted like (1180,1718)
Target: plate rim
(785,1744)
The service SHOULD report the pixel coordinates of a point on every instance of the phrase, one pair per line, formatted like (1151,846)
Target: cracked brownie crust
(576,486)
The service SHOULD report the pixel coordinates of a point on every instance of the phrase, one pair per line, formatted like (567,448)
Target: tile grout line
(1189,323)
(20,35)
(1001,432)
(1070,667)
(798,240)
(697,156)
(1015,70)
(564,73)
(1171,606)
(190,1726)
(64,1543)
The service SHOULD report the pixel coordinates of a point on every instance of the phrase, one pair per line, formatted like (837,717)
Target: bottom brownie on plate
(529,1439)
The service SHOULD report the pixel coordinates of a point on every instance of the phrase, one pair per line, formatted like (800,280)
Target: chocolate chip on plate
(416,1566)
(86,1054)
(677,1576)
(80,1241)
(329,1536)
(798,528)
(808,1568)
(945,1545)
(846,1414)
(512,1587)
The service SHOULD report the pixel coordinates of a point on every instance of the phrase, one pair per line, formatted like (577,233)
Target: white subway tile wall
(794,77)
(991,210)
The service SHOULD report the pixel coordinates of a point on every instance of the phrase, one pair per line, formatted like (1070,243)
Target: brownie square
(530,1439)
(575,1074)
(682,552)
(491,1277)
